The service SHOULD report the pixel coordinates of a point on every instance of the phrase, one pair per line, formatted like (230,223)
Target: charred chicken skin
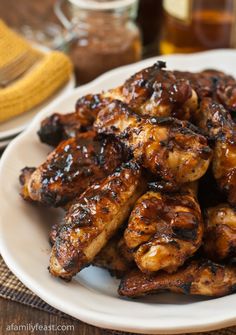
(114,256)
(155,91)
(74,165)
(197,277)
(217,122)
(169,148)
(94,218)
(58,127)
(220,232)
(164,230)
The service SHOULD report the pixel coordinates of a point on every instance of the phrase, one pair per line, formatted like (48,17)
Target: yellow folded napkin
(51,71)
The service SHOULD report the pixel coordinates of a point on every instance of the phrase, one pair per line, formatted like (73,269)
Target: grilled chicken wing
(94,218)
(220,232)
(169,148)
(197,277)
(164,230)
(114,256)
(155,91)
(152,91)
(212,83)
(58,127)
(74,165)
(214,119)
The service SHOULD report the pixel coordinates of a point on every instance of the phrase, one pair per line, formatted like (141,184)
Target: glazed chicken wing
(152,91)
(212,83)
(197,277)
(220,232)
(74,165)
(114,256)
(169,148)
(155,91)
(58,127)
(94,218)
(164,230)
(217,122)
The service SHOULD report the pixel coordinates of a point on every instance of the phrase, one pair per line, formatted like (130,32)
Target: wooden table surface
(13,313)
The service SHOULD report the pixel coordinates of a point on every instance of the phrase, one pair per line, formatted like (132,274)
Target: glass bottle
(106,36)
(150,21)
(196,25)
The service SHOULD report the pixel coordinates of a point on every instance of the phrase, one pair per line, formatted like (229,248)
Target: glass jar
(196,25)
(106,36)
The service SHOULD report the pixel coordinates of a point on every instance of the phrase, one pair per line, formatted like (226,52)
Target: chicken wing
(169,148)
(212,83)
(197,277)
(94,218)
(220,232)
(155,91)
(74,165)
(217,122)
(152,91)
(58,127)
(114,256)
(164,230)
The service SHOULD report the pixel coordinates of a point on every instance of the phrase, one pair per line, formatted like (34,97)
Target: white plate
(92,295)
(4,143)
(17,124)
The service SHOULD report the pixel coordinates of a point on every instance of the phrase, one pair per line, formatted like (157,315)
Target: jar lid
(103,4)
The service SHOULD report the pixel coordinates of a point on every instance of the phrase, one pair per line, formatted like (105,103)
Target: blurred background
(98,39)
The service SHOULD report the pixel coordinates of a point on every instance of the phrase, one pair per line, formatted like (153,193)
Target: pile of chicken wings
(146,174)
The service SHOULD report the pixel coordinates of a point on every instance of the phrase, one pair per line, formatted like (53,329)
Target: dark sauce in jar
(106,40)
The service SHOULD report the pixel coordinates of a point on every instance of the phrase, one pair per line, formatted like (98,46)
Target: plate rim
(22,274)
